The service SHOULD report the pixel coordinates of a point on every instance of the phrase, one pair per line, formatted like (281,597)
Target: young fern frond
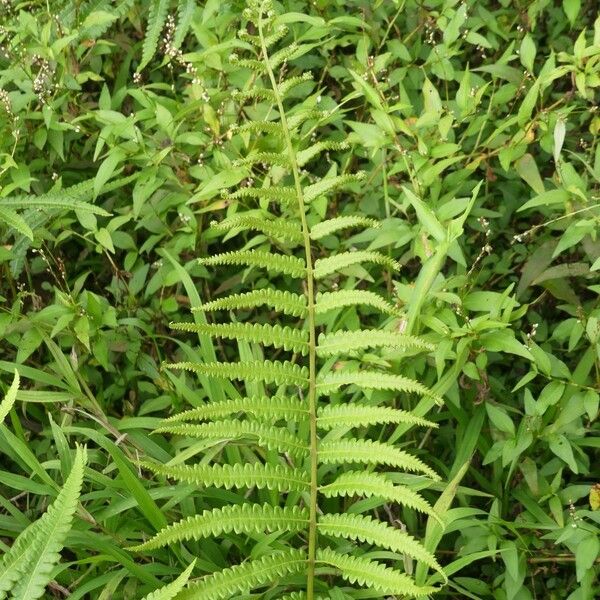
(361,415)
(266,371)
(285,302)
(344,342)
(278,263)
(240,518)
(240,579)
(273,438)
(343,260)
(290,404)
(355,483)
(185,17)
(341,299)
(287,338)
(324,228)
(372,574)
(271,477)
(268,409)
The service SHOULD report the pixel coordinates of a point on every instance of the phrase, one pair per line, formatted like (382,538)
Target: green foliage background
(129,107)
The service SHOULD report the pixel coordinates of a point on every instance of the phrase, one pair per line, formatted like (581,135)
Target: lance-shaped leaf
(248,475)
(331,264)
(283,301)
(278,263)
(343,342)
(168,592)
(240,518)
(315,190)
(324,228)
(285,195)
(334,300)
(352,414)
(271,227)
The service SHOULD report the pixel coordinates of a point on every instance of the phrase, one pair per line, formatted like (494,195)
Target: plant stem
(312,358)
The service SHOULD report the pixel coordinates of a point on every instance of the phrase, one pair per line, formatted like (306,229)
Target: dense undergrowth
(457,141)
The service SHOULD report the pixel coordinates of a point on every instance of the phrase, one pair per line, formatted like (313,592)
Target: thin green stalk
(312,357)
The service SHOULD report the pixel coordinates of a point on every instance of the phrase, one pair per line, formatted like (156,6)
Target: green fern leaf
(365,529)
(286,53)
(281,263)
(372,574)
(266,158)
(331,264)
(355,483)
(168,592)
(156,21)
(291,82)
(369,452)
(363,415)
(185,13)
(240,518)
(281,194)
(294,340)
(331,183)
(240,579)
(45,540)
(247,63)
(344,342)
(271,477)
(273,438)
(267,371)
(10,397)
(273,228)
(303,156)
(334,300)
(286,302)
(255,93)
(267,409)
(51,201)
(373,380)
(325,228)
(16,221)
(268,127)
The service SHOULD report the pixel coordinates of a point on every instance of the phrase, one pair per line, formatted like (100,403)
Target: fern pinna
(297,413)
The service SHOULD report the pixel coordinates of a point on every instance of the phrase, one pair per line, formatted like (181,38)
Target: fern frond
(264,158)
(240,579)
(156,21)
(344,342)
(331,264)
(369,452)
(331,183)
(355,483)
(373,380)
(169,591)
(16,221)
(362,415)
(282,263)
(286,302)
(297,119)
(303,156)
(51,201)
(273,228)
(10,397)
(268,40)
(185,14)
(255,93)
(372,574)
(267,409)
(19,555)
(294,340)
(291,82)
(46,540)
(333,300)
(276,193)
(260,127)
(324,228)
(366,529)
(267,371)
(239,518)
(273,438)
(248,475)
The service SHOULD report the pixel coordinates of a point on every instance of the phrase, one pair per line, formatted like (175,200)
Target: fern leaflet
(362,415)
(285,302)
(169,591)
(343,342)
(325,228)
(334,300)
(337,262)
(281,263)
(156,21)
